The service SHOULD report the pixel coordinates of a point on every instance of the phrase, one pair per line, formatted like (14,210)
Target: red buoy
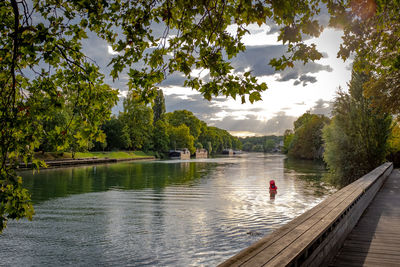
(272,185)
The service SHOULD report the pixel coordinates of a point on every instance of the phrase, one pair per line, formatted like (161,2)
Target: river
(158,213)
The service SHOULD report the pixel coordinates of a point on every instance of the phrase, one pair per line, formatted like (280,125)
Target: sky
(310,87)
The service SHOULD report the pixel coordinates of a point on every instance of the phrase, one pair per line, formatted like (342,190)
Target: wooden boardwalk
(375,241)
(315,237)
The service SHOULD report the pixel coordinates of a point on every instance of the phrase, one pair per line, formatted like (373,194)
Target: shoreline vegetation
(65,159)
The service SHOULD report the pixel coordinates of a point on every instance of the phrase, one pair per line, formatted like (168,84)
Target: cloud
(111,51)
(305,79)
(300,70)
(279,123)
(174,79)
(274,126)
(322,107)
(203,109)
(208,111)
(289,76)
(256,58)
(119,107)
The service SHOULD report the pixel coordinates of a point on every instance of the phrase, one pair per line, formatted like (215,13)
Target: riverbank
(54,160)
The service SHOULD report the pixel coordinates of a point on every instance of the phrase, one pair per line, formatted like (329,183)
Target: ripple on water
(191,214)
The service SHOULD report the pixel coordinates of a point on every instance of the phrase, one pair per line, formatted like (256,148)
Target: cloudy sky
(290,93)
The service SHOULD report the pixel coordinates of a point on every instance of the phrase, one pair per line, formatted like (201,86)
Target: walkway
(375,241)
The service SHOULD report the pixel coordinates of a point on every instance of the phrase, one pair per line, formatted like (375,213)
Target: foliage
(179,117)
(50,139)
(394,145)
(261,143)
(306,142)
(356,139)
(160,136)
(180,137)
(287,140)
(199,145)
(269,146)
(219,140)
(138,118)
(209,147)
(43,70)
(117,134)
(158,106)
(372,30)
(394,139)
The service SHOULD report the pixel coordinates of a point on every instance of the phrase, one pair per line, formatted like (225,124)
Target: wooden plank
(376,238)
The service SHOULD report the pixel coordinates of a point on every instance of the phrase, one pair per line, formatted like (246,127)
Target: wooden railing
(314,238)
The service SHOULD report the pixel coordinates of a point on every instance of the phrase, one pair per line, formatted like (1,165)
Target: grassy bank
(82,155)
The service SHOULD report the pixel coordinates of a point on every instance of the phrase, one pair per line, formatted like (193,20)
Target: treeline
(141,127)
(305,141)
(358,138)
(262,143)
(138,127)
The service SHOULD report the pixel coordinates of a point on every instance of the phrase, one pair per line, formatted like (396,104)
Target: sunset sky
(290,93)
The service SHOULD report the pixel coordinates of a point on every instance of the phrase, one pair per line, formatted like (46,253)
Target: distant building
(201,153)
(179,154)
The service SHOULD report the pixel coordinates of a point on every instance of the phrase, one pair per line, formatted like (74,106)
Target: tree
(372,30)
(51,138)
(287,140)
(117,134)
(180,137)
(356,141)
(307,141)
(254,143)
(394,144)
(43,70)
(138,118)
(179,117)
(269,145)
(236,143)
(209,147)
(247,146)
(158,106)
(161,138)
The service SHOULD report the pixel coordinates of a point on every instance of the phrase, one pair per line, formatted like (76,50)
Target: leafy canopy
(356,141)
(43,69)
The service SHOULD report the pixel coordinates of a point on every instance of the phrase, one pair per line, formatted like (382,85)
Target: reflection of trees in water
(305,166)
(309,171)
(76,180)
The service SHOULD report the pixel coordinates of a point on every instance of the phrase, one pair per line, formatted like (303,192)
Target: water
(161,213)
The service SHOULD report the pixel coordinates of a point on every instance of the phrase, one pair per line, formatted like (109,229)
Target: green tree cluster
(216,140)
(139,127)
(305,141)
(394,144)
(356,141)
(262,143)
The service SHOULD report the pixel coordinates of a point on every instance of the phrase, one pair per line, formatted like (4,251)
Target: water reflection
(83,179)
(272,194)
(147,213)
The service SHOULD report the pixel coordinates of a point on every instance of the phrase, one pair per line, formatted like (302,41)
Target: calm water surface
(161,213)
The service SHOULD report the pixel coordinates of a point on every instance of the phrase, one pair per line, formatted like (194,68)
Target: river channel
(158,213)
